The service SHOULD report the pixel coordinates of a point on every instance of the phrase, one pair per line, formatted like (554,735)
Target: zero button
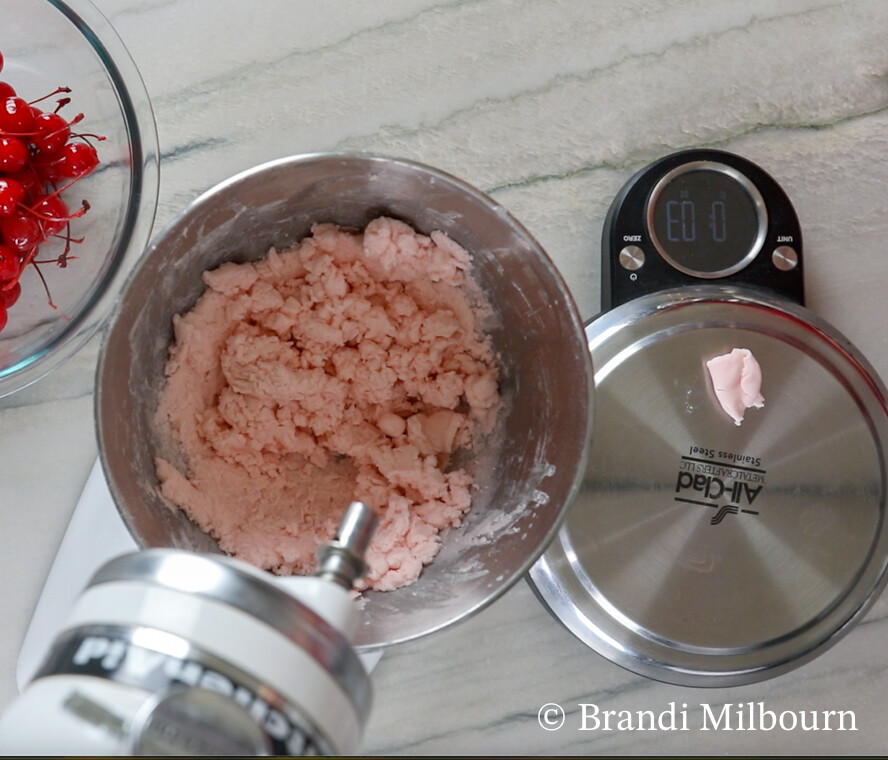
(631,258)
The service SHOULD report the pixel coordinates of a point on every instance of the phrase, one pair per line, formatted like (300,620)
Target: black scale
(700,215)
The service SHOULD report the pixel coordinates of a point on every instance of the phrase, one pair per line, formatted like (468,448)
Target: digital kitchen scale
(698,551)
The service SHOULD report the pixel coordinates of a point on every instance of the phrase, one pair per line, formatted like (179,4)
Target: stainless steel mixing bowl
(525,477)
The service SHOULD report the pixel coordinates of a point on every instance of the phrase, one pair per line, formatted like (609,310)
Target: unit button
(631,258)
(785,258)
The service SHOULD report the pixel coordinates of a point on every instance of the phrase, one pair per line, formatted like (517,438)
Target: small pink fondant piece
(737,380)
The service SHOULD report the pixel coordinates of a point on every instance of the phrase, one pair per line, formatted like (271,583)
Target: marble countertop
(549,106)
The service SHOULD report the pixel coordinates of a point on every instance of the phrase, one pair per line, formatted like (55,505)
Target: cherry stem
(56,91)
(45,286)
(76,120)
(60,190)
(45,218)
(68,125)
(62,260)
(84,135)
(26,259)
(76,241)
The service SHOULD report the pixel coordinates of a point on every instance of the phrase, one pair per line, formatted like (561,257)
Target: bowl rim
(142,197)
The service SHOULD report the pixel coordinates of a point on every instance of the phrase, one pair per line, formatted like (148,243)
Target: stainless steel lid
(703,553)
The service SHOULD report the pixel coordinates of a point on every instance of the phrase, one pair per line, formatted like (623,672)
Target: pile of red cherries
(41,158)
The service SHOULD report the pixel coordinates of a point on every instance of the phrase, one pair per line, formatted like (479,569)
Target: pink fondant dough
(737,380)
(350,366)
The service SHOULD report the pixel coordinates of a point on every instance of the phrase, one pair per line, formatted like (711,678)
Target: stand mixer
(168,652)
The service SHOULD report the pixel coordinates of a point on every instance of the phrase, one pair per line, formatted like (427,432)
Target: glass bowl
(47,44)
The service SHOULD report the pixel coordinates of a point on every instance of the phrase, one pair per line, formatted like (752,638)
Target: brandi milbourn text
(732,716)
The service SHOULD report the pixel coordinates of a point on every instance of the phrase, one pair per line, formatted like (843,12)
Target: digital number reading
(681,221)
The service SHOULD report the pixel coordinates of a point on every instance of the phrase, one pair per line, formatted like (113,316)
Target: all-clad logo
(718,481)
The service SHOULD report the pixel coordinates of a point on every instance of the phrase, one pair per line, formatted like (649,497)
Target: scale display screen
(706,219)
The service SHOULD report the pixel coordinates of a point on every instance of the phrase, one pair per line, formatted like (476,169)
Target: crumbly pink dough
(737,380)
(348,367)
